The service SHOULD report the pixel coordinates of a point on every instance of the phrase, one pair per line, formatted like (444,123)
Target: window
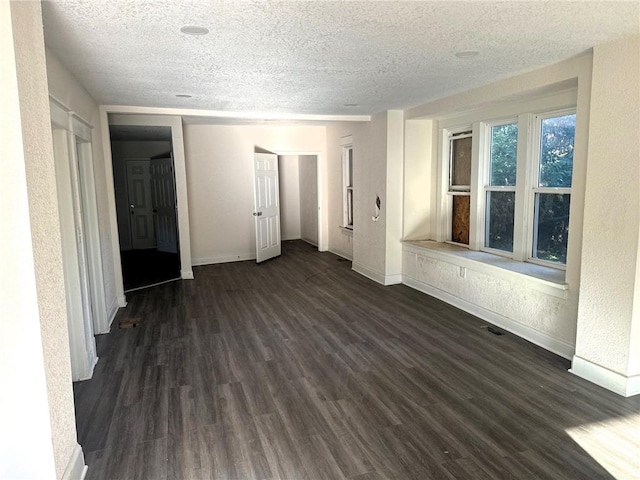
(552,189)
(460,185)
(500,188)
(347,178)
(509,186)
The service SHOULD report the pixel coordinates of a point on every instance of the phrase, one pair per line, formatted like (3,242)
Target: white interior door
(266,201)
(164,204)
(140,205)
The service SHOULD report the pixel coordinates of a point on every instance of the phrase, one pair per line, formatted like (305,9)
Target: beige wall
(219,162)
(608,310)
(289,177)
(369,182)
(39,271)
(308,183)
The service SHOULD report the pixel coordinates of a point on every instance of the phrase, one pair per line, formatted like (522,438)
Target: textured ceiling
(314,57)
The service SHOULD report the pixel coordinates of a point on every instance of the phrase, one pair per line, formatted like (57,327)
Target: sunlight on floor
(614,444)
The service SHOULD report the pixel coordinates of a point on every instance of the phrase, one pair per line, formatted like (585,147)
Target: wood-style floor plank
(299,368)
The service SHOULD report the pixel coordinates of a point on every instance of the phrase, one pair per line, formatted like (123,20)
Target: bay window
(509,186)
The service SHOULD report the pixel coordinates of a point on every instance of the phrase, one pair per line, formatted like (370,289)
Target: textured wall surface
(219,162)
(308,181)
(289,177)
(45,228)
(370,181)
(24,407)
(612,209)
(66,89)
(549,315)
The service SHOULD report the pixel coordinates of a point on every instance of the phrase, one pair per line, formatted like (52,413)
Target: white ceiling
(312,57)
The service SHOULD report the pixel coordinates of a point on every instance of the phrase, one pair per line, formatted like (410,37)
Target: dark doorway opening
(144,182)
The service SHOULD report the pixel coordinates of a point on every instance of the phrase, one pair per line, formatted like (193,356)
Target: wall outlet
(463,272)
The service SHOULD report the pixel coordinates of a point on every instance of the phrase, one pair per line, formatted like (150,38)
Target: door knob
(257,214)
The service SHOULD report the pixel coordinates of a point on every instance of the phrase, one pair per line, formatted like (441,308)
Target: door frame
(132,116)
(321,167)
(84,288)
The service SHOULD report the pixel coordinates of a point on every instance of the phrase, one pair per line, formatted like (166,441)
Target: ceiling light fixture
(183,95)
(194,30)
(467,54)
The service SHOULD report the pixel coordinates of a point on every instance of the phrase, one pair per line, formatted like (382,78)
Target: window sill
(546,279)
(347,231)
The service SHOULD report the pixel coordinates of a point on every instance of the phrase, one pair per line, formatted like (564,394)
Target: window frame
(527,170)
(485,169)
(533,187)
(449,135)
(347,186)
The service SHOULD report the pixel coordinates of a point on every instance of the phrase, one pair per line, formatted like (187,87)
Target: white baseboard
(310,242)
(614,381)
(559,347)
(238,257)
(76,469)
(341,254)
(186,274)
(286,239)
(378,277)
(112,311)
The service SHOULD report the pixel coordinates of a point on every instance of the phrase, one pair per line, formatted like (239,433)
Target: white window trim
(529,126)
(347,146)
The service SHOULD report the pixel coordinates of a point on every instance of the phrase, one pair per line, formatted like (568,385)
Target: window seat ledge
(546,279)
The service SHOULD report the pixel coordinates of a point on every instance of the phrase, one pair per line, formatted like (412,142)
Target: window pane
(552,227)
(460,219)
(461,162)
(349,208)
(504,146)
(556,151)
(499,229)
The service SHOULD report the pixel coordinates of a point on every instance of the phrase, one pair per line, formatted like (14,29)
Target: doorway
(145,193)
(299,197)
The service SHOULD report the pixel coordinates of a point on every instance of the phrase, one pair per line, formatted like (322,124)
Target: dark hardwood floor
(300,368)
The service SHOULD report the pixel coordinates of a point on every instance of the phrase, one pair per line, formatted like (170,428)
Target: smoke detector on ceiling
(467,54)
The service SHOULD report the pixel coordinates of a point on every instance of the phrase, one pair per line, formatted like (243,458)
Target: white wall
(120,151)
(37,418)
(308,182)
(549,320)
(68,91)
(289,197)
(608,318)
(219,162)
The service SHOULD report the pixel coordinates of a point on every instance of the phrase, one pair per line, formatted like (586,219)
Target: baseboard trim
(238,257)
(76,469)
(186,274)
(614,381)
(341,254)
(378,277)
(554,345)
(310,242)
